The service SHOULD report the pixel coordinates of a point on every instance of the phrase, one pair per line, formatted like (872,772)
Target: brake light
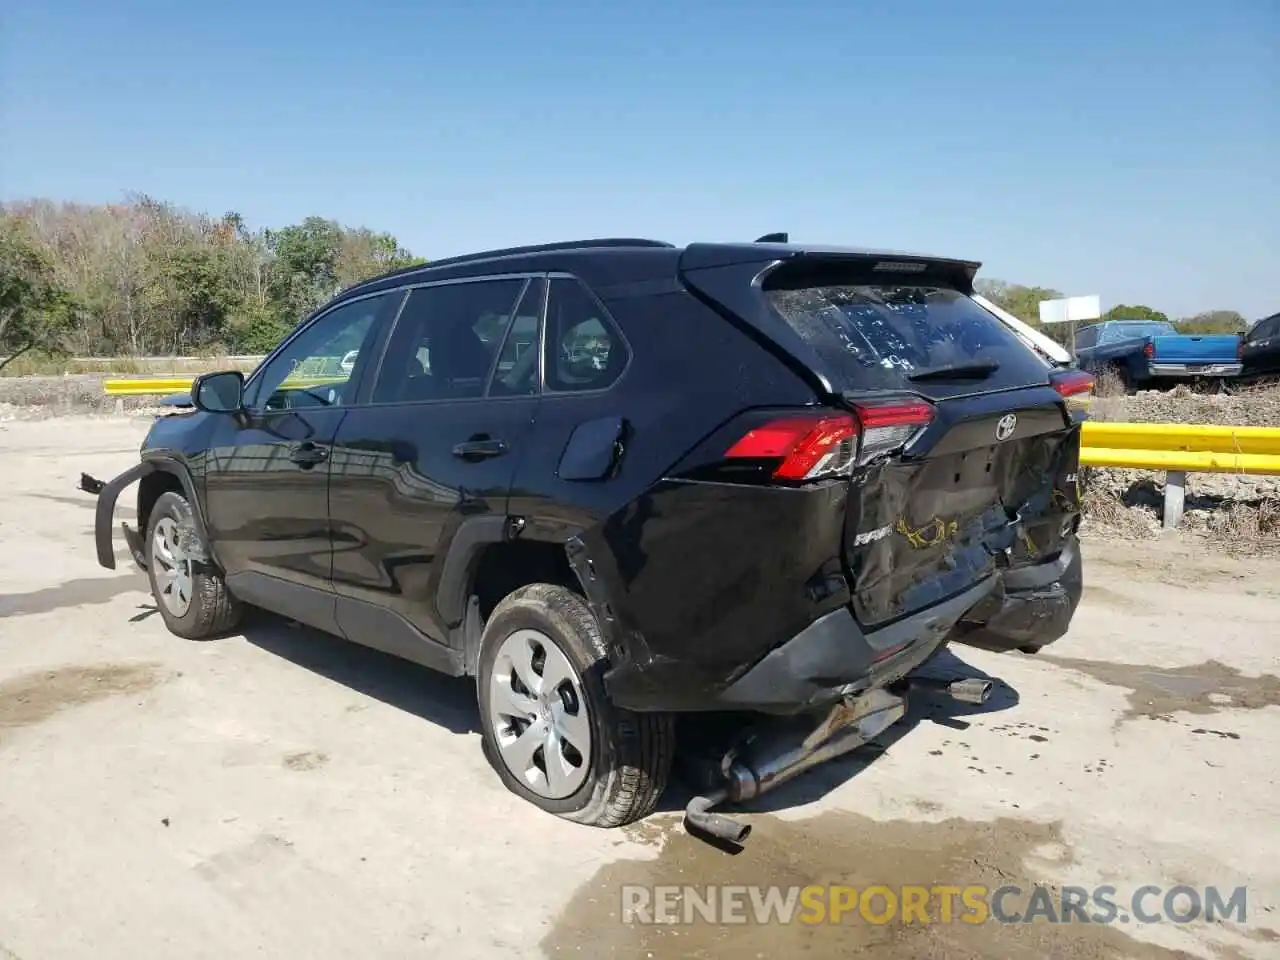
(1072,383)
(809,446)
(1149,351)
(890,426)
(1240,349)
(815,445)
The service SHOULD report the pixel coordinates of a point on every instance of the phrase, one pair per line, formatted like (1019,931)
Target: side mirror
(219,392)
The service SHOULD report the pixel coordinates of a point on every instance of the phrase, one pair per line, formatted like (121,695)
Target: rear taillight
(1072,383)
(811,446)
(1149,351)
(1240,349)
(890,426)
(1075,387)
(808,446)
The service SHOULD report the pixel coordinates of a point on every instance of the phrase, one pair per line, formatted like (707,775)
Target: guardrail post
(1175,483)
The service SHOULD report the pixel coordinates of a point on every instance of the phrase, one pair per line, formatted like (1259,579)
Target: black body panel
(374,520)
(399,496)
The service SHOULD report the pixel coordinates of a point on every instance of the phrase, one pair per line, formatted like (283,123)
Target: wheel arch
(168,474)
(490,557)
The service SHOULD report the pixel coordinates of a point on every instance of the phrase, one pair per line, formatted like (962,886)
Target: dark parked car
(1261,348)
(1144,353)
(617,481)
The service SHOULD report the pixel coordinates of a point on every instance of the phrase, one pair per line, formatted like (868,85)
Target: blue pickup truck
(1148,353)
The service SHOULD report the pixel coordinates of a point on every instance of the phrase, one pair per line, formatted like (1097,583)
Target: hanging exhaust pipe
(784,749)
(699,819)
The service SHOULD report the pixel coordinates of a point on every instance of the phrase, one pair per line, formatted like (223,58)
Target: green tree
(1024,303)
(306,257)
(1214,321)
(35,310)
(1123,311)
(150,277)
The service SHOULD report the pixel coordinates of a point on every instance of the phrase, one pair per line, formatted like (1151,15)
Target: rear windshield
(875,337)
(1125,329)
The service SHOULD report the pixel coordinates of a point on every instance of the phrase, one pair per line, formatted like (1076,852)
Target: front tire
(549,729)
(193,599)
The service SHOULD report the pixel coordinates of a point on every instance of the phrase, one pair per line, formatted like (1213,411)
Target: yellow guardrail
(145,386)
(1179,449)
(148,386)
(1193,448)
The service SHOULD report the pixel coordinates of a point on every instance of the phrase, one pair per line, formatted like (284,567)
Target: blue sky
(1126,148)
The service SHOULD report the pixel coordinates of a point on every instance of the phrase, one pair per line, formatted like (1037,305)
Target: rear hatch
(966,453)
(1196,349)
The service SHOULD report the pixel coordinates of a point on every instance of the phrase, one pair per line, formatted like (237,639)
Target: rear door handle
(307,454)
(479,448)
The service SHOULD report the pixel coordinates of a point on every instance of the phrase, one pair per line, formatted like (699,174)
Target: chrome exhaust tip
(974,690)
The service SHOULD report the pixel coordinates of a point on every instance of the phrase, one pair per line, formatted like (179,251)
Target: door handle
(479,448)
(307,454)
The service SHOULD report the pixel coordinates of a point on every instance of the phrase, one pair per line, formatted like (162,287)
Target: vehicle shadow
(448,702)
(922,706)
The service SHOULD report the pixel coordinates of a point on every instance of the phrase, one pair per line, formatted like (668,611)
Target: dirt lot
(281,794)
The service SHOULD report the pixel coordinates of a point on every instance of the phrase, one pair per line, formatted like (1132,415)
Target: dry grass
(1246,527)
(29,365)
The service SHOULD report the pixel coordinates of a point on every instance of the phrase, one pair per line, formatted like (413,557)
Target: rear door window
(584,350)
(445,341)
(880,336)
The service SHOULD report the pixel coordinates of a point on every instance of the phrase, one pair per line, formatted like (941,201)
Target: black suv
(619,481)
(1260,347)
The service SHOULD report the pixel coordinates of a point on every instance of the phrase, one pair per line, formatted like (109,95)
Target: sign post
(1070,310)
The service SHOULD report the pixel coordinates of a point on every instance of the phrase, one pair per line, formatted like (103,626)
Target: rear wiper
(958,371)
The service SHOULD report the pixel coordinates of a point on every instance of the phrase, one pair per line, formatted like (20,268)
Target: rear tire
(193,600)
(619,765)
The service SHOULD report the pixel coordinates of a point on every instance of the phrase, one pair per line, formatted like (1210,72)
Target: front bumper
(830,660)
(1187,370)
(108,493)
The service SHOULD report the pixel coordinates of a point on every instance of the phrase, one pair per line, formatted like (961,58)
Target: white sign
(1070,309)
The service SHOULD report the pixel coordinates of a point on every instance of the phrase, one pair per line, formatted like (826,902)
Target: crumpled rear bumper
(108,493)
(1031,608)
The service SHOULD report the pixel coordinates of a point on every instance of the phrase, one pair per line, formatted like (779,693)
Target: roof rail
(516,251)
(549,248)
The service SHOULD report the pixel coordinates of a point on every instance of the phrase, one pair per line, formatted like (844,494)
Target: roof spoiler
(1027,333)
(774,238)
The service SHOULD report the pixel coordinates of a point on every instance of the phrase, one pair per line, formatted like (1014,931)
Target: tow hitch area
(768,755)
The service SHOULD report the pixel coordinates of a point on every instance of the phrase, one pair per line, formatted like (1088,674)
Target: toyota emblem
(1005,427)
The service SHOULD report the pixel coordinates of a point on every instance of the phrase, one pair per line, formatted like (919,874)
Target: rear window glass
(877,336)
(1125,329)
